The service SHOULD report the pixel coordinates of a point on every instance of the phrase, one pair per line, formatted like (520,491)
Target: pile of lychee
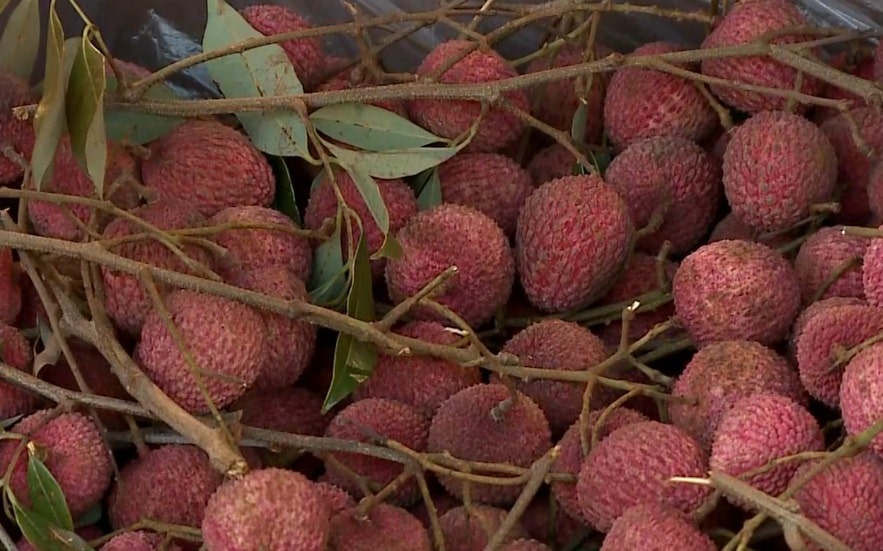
(749,210)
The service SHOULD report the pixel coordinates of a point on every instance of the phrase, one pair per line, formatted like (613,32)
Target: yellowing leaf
(21,39)
(85,111)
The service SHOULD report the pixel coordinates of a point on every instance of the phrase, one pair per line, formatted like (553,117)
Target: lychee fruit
(843,499)
(872,272)
(639,277)
(829,264)
(209,165)
(808,313)
(672,179)
(470,529)
(875,190)
(862,67)
(549,163)
(720,374)
(747,22)
(423,382)
(383,527)
(453,118)
(545,521)
(290,342)
(560,345)
(275,242)
(126,300)
(72,448)
(645,103)
(139,541)
(453,235)
(732,290)
(488,182)
(66,221)
(305,54)
(525,544)
(759,429)
(489,423)
(225,339)
(730,227)
(557,270)
(632,466)
(655,527)
(824,338)
(237,514)
(10,288)
(336,498)
(776,167)
(401,206)
(17,134)
(556,102)
(366,421)
(570,454)
(292,410)
(169,484)
(861,403)
(16,352)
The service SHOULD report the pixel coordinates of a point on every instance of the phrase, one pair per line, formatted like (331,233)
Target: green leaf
(370,127)
(69,541)
(264,71)
(600,159)
(578,124)
(328,281)
(34,528)
(284,201)
(47,498)
(139,128)
(354,360)
(49,119)
(427,187)
(91,516)
(85,111)
(370,192)
(21,39)
(399,163)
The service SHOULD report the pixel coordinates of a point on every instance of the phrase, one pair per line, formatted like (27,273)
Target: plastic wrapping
(154,33)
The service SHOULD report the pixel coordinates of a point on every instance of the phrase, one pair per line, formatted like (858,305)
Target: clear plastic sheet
(154,33)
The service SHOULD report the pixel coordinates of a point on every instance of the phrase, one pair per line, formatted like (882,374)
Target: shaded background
(156,33)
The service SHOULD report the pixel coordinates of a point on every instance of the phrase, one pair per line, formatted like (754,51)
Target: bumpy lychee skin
(209,165)
(68,178)
(855,160)
(290,342)
(384,527)
(454,235)
(73,451)
(284,409)
(639,277)
(810,312)
(253,248)
(555,344)
(861,401)
(820,265)
(305,54)
(632,466)
(571,240)
(556,102)
(336,498)
(745,23)
(776,166)
(872,272)
(524,544)
(471,425)
(570,455)
(170,484)
(453,118)
(138,541)
(730,227)
(734,289)
(420,381)
(127,301)
(759,429)
(363,421)
(15,133)
(16,352)
(823,337)
(226,340)
(551,162)
(843,500)
(720,374)
(489,182)
(643,103)
(471,529)
(671,177)
(237,513)
(401,206)
(655,527)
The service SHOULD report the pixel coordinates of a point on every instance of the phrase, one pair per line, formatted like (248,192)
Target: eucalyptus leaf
(369,127)
(284,201)
(399,163)
(139,128)
(259,72)
(49,119)
(47,497)
(85,111)
(427,187)
(20,41)
(328,278)
(354,360)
